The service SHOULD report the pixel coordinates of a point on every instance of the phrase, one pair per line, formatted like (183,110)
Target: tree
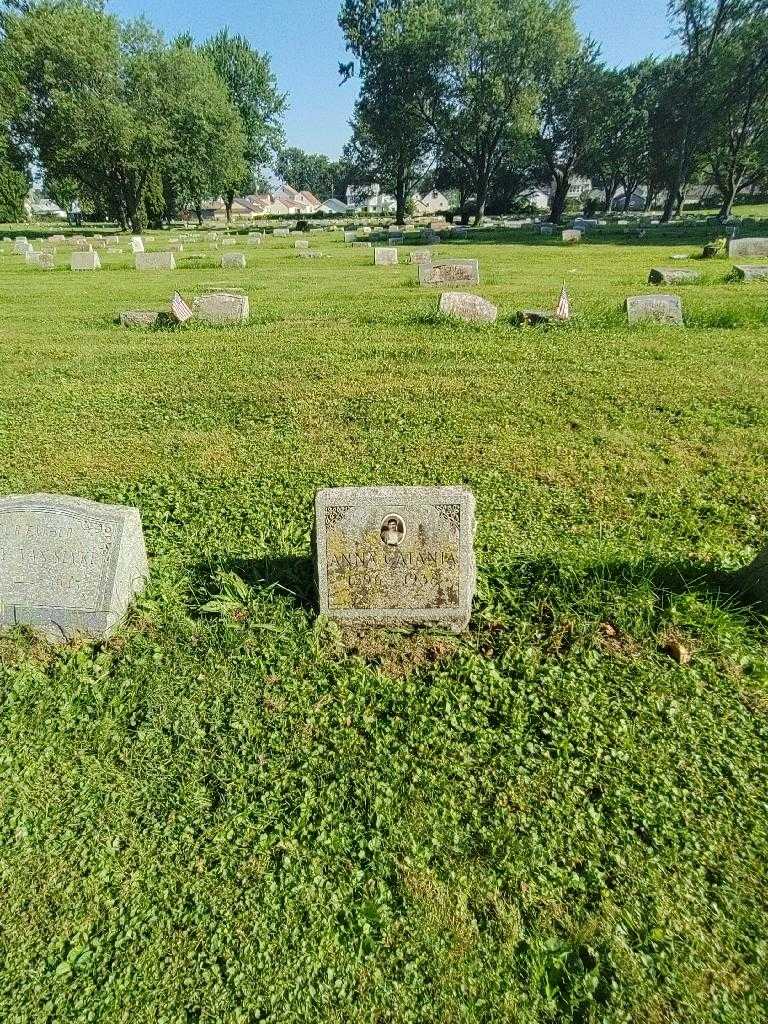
(737,153)
(253,90)
(307,172)
(619,136)
(573,117)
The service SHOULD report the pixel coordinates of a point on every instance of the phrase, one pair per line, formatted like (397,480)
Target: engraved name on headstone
(68,565)
(389,555)
(449,272)
(747,247)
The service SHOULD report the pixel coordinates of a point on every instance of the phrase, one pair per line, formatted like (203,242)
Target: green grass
(254,816)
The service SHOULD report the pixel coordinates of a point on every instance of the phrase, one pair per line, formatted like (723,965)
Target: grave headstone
(396,555)
(84,261)
(68,566)
(281,232)
(666,309)
(738,247)
(449,272)
(361,245)
(222,308)
(233,259)
(254,239)
(301,243)
(472,308)
(421,256)
(42,260)
(745,272)
(139,318)
(155,261)
(137,245)
(571,235)
(21,246)
(672,275)
(547,229)
(175,247)
(385,257)
(350,236)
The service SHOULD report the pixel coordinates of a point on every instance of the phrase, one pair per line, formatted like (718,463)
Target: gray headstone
(449,272)
(254,239)
(281,232)
(747,247)
(233,259)
(660,308)
(139,318)
(84,261)
(67,565)
(222,308)
(301,243)
(572,235)
(751,273)
(471,308)
(421,256)
(361,245)
(43,260)
(350,236)
(394,555)
(672,275)
(155,261)
(175,247)
(21,246)
(385,257)
(547,229)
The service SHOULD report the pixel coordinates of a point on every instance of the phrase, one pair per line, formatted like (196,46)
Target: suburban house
(334,206)
(36,205)
(432,202)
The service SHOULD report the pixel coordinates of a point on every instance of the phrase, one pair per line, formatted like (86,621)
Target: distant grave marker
(471,308)
(673,275)
(155,261)
(385,257)
(449,272)
(222,308)
(233,259)
(85,261)
(747,247)
(745,272)
(666,309)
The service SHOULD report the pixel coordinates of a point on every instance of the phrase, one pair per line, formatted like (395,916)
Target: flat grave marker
(666,309)
(449,272)
(155,261)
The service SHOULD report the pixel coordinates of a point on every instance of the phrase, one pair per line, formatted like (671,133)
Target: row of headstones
(385,556)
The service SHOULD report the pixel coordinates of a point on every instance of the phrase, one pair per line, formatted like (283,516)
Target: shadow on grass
(288,576)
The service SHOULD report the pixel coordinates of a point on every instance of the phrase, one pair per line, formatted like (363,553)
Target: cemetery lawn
(233,811)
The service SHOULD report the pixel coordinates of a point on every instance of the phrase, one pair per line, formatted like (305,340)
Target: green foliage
(234,812)
(306,172)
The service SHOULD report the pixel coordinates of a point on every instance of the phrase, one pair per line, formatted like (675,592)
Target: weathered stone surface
(661,308)
(547,229)
(227,241)
(751,273)
(310,254)
(361,245)
(139,318)
(21,246)
(84,261)
(42,260)
(155,261)
(254,239)
(385,257)
(82,245)
(572,235)
(68,566)
(350,236)
(233,259)
(301,243)
(747,247)
(449,272)
(281,232)
(672,275)
(222,308)
(390,555)
(175,247)
(421,256)
(471,308)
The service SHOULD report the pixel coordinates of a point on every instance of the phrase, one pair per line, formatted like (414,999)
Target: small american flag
(180,311)
(563,311)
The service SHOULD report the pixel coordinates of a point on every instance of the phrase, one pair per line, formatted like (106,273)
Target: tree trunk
(400,198)
(560,197)
(199,212)
(679,202)
(483,181)
(730,190)
(228,201)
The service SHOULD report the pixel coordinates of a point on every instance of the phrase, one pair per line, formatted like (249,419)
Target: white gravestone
(222,308)
(747,247)
(85,261)
(233,259)
(155,261)
(68,566)
(666,309)
(385,257)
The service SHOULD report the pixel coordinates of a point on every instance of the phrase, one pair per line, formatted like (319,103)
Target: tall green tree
(480,67)
(310,172)
(253,90)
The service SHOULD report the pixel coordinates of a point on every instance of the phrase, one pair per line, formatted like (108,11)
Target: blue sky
(306,46)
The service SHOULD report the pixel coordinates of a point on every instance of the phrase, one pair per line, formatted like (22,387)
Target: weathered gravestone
(155,261)
(67,565)
(571,236)
(42,260)
(233,259)
(254,239)
(751,273)
(449,272)
(747,247)
(472,308)
(361,245)
(672,275)
(21,246)
(350,236)
(175,247)
(139,318)
(666,309)
(222,308)
(85,261)
(281,232)
(394,555)
(385,257)
(301,243)
(421,256)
